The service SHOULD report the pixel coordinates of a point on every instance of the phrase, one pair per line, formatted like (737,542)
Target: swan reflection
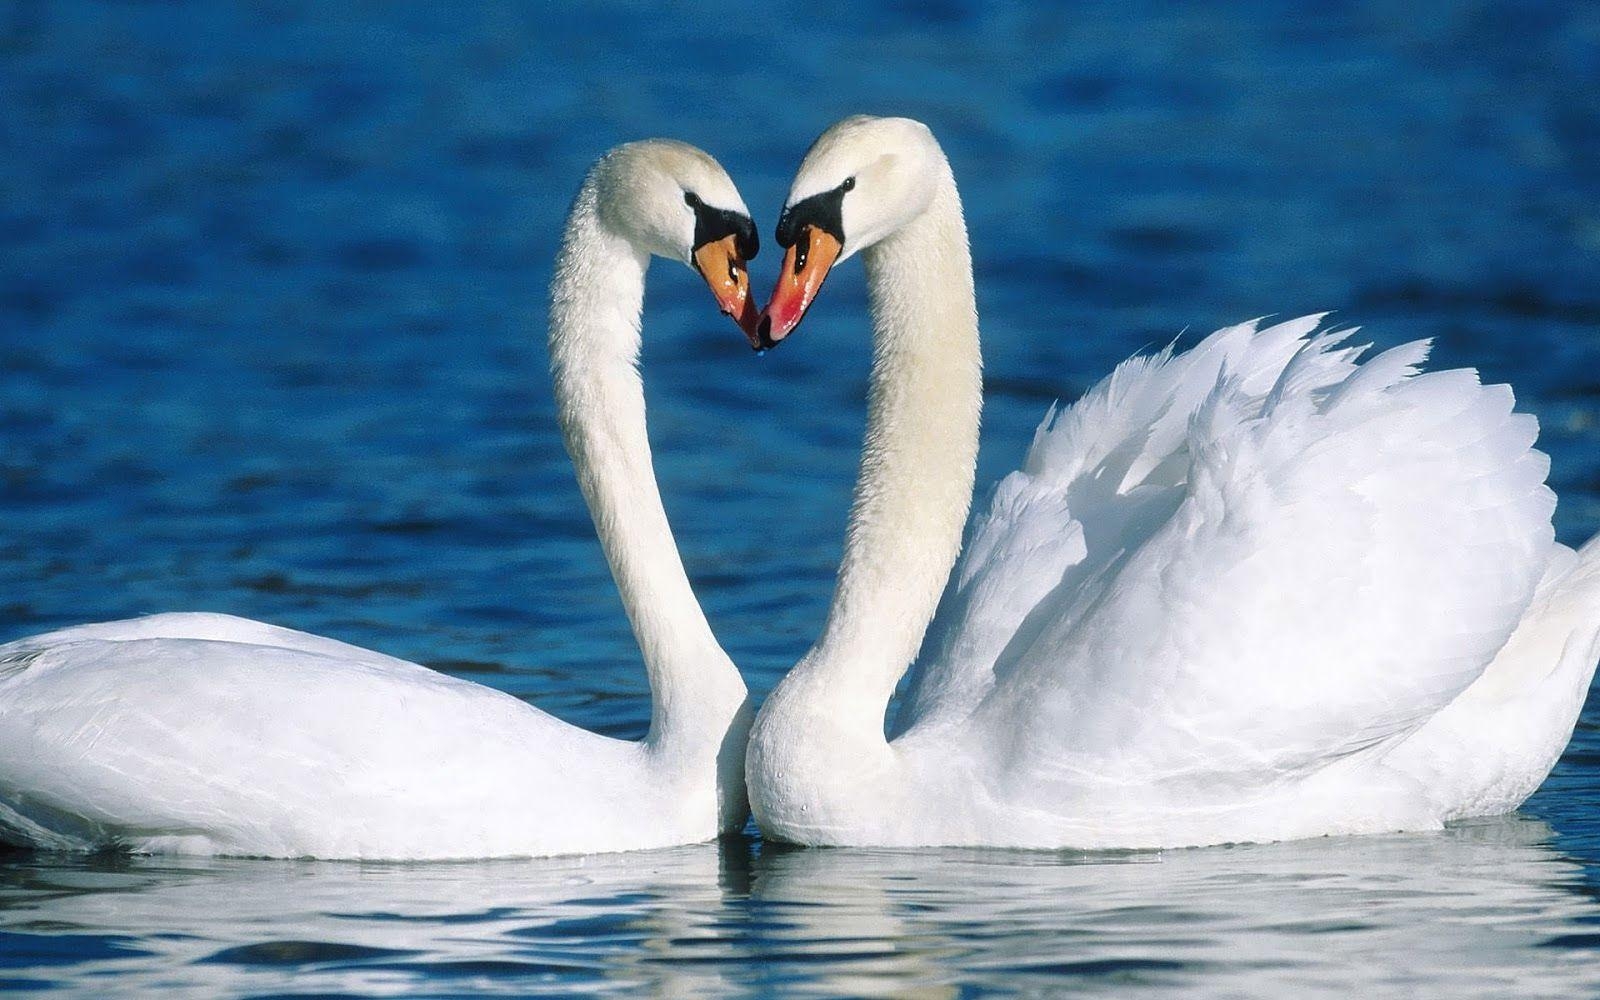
(1459,911)
(1489,906)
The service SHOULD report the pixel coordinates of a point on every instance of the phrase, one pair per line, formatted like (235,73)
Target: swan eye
(848,185)
(692,200)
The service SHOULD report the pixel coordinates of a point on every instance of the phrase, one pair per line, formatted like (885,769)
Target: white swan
(206,733)
(1255,591)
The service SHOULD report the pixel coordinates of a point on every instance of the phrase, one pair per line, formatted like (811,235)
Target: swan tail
(1564,616)
(1513,723)
(1567,608)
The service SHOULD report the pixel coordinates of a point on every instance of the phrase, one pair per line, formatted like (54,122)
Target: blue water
(271,309)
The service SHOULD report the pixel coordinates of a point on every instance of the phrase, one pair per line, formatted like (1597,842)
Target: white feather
(1257,590)
(211,734)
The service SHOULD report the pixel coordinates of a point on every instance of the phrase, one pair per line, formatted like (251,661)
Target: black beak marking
(824,211)
(713,224)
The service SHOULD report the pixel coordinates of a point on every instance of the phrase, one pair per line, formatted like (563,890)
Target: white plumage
(1222,574)
(204,733)
(1257,590)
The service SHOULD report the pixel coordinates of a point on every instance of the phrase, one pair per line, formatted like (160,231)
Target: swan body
(1258,590)
(206,733)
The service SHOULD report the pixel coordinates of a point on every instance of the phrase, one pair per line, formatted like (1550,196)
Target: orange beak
(805,264)
(722,266)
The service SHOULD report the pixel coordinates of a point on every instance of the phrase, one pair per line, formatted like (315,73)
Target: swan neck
(597,299)
(914,486)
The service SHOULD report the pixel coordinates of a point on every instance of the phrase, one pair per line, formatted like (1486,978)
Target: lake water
(271,310)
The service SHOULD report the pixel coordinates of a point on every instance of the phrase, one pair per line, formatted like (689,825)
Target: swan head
(672,200)
(863,179)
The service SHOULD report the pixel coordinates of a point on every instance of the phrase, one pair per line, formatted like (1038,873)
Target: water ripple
(270,343)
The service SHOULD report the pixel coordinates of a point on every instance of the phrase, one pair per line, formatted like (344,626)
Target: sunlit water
(270,343)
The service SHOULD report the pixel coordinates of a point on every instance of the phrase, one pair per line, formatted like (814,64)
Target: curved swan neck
(597,297)
(919,458)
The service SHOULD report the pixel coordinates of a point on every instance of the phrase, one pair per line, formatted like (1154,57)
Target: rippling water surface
(1489,907)
(271,308)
